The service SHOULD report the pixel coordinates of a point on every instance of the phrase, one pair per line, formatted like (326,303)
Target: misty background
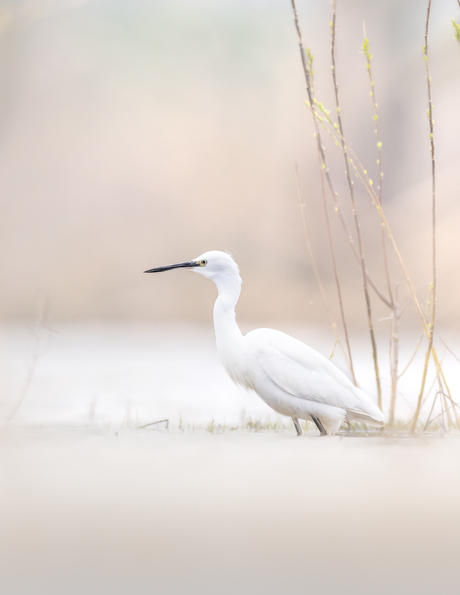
(139,133)
(136,134)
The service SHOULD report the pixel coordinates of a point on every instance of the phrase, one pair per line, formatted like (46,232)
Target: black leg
(297,427)
(319,425)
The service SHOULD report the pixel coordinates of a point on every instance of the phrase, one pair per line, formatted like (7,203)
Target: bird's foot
(297,427)
(319,425)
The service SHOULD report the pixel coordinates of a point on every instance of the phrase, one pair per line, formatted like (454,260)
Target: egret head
(214,265)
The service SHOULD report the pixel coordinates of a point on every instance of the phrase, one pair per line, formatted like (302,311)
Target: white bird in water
(292,378)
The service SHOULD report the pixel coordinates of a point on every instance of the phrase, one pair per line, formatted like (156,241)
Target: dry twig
(322,291)
(367,53)
(41,334)
(355,214)
(160,421)
(324,172)
(433,210)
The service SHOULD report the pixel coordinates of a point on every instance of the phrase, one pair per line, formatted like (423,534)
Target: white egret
(292,378)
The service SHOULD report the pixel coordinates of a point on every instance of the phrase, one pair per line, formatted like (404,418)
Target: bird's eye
(203,263)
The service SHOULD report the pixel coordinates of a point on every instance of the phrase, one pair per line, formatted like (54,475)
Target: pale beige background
(138,134)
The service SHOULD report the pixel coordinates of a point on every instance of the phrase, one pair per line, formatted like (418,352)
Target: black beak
(181,265)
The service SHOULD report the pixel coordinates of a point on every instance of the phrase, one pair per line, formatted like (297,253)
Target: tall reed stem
(394,356)
(366,52)
(362,175)
(324,172)
(433,214)
(355,214)
(320,283)
(396,315)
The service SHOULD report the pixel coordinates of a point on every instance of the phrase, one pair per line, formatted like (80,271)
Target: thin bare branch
(153,423)
(431,412)
(436,378)
(41,336)
(324,172)
(445,344)
(433,210)
(445,396)
(337,207)
(394,355)
(367,53)
(322,115)
(413,356)
(355,214)
(348,358)
(336,276)
(361,173)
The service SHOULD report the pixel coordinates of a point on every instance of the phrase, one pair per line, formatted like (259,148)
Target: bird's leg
(297,427)
(319,425)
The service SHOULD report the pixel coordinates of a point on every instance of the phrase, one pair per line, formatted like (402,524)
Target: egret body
(292,378)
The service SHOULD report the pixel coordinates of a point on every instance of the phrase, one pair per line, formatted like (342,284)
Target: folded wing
(304,373)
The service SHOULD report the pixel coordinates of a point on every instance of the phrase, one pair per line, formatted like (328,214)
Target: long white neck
(228,335)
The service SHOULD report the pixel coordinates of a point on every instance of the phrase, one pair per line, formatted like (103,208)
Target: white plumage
(292,378)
